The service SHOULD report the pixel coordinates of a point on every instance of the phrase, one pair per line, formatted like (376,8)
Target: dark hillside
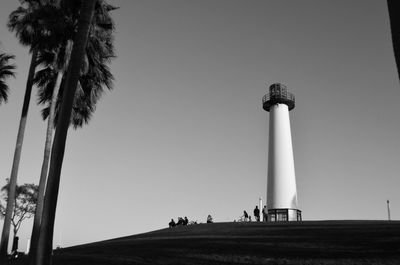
(309,242)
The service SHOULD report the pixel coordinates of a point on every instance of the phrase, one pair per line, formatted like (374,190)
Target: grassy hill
(309,242)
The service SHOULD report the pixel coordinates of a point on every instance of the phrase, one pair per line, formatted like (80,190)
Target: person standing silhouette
(265,213)
(257,214)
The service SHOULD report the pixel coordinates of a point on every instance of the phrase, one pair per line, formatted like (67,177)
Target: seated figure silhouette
(172,223)
(209,219)
(180,221)
(246,216)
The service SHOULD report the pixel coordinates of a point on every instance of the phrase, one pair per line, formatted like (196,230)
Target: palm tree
(43,174)
(36,24)
(50,204)
(27,31)
(17,155)
(6,71)
(50,79)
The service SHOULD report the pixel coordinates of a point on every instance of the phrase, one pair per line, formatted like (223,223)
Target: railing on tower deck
(278,94)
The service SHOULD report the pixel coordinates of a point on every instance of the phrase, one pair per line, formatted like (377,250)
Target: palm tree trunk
(393,6)
(43,173)
(17,155)
(45,245)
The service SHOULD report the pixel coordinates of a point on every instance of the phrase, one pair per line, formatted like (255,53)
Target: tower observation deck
(281,184)
(278,93)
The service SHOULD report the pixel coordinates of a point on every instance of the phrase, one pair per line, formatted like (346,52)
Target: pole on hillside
(59,239)
(388,209)
(28,245)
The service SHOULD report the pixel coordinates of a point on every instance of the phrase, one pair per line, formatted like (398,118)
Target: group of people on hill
(247,218)
(181,221)
(185,221)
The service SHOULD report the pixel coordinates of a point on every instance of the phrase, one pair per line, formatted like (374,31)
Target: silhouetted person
(245,215)
(180,221)
(257,214)
(172,223)
(185,221)
(265,214)
(209,219)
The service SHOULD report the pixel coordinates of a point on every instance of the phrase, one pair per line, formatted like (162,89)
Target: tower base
(284,215)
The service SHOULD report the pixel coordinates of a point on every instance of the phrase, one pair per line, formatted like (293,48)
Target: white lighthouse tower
(281,185)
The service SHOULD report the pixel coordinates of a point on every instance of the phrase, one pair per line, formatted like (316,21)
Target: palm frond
(45,80)
(37,24)
(6,71)
(95,72)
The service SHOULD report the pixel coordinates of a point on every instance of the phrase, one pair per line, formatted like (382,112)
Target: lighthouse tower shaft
(281,184)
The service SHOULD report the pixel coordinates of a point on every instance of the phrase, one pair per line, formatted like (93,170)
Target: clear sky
(183,133)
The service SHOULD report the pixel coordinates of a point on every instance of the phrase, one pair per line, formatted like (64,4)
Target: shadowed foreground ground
(310,242)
